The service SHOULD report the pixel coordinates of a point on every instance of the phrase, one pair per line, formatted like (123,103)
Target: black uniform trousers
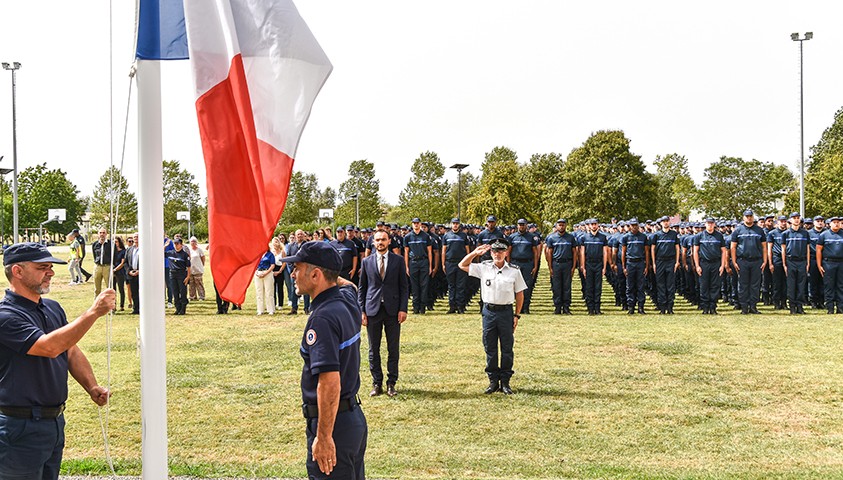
(593,282)
(815,284)
(767,286)
(620,286)
(833,282)
(377,325)
(691,282)
(779,282)
(635,283)
(526,267)
(179,290)
(560,283)
(749,282)
(710,283)
(797,281)
(350,436)
(665,282)
(456,284)
(222,305)
(497,328)
(134,287)
(419,282)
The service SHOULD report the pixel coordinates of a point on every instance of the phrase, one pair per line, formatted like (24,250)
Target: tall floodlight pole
(458,167)
(14,66)
(3,172)
(795,38)
(356,198)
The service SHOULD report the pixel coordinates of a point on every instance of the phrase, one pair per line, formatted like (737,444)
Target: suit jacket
(394,289)
(131,252)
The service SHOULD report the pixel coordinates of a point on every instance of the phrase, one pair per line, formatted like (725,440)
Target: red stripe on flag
(247,180)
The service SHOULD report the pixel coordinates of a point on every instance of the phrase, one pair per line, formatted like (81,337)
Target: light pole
(458,167)
(3,172)
(795,38)
(356,198)
(14,66)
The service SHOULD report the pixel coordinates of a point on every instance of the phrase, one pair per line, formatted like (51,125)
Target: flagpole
(151,234)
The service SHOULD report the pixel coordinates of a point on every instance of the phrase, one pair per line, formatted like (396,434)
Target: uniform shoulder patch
(310,337)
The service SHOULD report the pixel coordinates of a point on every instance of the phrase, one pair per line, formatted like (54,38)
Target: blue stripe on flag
(161,31)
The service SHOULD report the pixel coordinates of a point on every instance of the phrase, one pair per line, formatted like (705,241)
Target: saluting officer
(594,257)
(560,252)
(524,255)
(666,262)
(710,258)
(749,253)
(796,255)
(418,257)
(635,260)
(830,261)
(501,286)
(455,246)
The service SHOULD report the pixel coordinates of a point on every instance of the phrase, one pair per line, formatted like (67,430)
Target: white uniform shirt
(498,286)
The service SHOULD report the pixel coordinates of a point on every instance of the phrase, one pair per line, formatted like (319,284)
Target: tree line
(602,178)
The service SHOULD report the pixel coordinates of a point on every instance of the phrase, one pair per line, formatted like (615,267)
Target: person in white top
(197,269)
(501,286)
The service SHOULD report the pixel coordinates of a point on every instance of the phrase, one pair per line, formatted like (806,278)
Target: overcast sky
(702,79)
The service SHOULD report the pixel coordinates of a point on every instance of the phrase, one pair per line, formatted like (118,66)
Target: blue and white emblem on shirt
(310,337)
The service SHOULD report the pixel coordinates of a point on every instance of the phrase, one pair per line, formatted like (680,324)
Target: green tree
(677,191)
(543,173)
(426,194)
(361,181)
(301,200)
(823,182)
(733,184)
(42,189)
(602,179)
(112,194)
(460,190)
(500,191)
(181,194)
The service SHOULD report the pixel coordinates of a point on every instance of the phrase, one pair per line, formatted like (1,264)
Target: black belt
(749,259)
(796,259)
(32,412)
(522,259)
(312,411)
(497,308)
(664,259)
(418,258)
(834,259)
(563,260)
(635,260)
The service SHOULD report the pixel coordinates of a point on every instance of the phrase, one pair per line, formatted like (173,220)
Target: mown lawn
(686,396)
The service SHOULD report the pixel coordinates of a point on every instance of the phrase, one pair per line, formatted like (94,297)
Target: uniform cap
(782,217)
(491,218)
(415,220)
(379,224)
(521,221)
(748,213)
(818,217)
(833,218)
(455,220)
(795,214)
(320,254)
(709,219)
(592,221)
(632,221)
(500,244)
(29,252)
(340,229)
(177,240)
(769,216)
(561,220)
(349,227)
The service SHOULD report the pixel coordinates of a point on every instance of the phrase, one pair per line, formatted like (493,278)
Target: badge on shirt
(310,337)
(488,283)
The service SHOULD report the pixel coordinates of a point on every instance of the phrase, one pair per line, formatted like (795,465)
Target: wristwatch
(518,316)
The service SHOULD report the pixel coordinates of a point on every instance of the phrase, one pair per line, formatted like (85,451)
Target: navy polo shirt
(522,246)
(417,243)
(486,237)
(795,243)
(774,236)
(267,261)
(749,241)
(814,234)
(636,245)
(179,260)
(665,243)
(331,342)
(561,245)
(710,245)
(593,245)
(347,250)
(456,243)
(28,380)
(832,244)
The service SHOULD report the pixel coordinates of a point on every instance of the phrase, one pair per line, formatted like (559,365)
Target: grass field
(684,396)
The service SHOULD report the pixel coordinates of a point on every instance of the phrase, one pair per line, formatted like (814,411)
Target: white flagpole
(151,235)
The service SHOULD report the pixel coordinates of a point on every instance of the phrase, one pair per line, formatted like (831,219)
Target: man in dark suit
(383,295)
(133,273)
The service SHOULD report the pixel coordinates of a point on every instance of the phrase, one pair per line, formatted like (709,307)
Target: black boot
(505,387)
(641,310)
(557,311)
(631,311)
(493,387)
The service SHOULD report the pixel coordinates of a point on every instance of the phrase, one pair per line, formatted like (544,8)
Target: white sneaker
(169,304)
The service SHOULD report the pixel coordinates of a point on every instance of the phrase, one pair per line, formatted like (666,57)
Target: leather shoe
(492,388)
(376,390)
(390,390)
(506,389)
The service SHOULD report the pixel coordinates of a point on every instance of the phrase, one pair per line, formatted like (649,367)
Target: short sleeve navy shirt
(28,380)
(347,250)
(796,243)
(666,242)
(561,245)
(331,342)
(593,245)
(417,243)
(456,243)
(749,241)
(711,245)
(636,245)
(774,236)
(832,244)
(522,246)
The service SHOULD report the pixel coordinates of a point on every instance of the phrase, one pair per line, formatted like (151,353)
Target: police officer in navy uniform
(455,246)
(348,253)
(710,259)
(561,252)
(830,261)
(666,262)
(795,257)
(778,294)
(749,253)
(594,258)
(635,260)
(418,256)
(524,254)
(330,347)
(815,280)
(37,350)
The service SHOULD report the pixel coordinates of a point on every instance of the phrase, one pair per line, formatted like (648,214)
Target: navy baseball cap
(818,218)
(29,252)
(491,218)
(562,220)
(415,220)
(709,219)
(748,213)
(795,214)
(455,220)
(500,244)
(321,254)
(340,229)
(379,224)
(592,221)
(632,221)
(349,227)
(781,217)
(833,218)
(521,221)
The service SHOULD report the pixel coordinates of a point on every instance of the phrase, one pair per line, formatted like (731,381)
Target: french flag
(257,69)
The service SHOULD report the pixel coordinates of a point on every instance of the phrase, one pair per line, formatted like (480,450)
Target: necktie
(380,267)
